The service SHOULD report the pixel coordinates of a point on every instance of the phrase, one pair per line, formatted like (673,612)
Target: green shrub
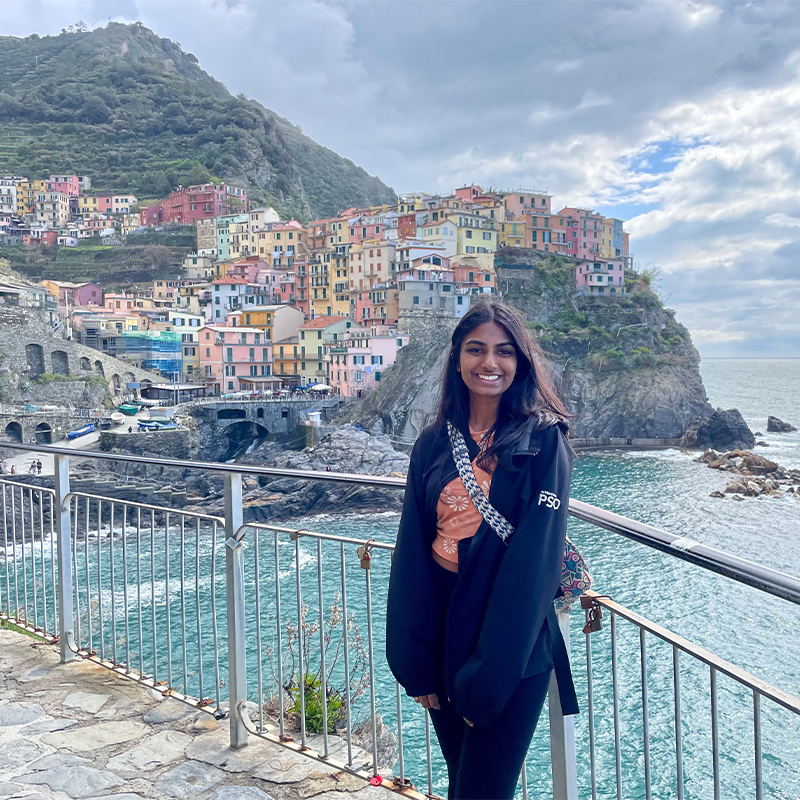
(314,707)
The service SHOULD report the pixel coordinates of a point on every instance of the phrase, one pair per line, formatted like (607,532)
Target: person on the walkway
(32,467)
(38,467)
(13,469)
(471,628)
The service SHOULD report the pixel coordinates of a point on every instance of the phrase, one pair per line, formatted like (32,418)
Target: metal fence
(262,622)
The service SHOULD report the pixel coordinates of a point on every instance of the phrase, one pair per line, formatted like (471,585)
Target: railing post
(63,557)
(234,581)
(562,734)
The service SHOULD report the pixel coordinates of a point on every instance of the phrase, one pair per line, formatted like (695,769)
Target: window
(265,354)
(416,301)
(230,384)
(487,235)
(469,234)
(230,370)
(470,248)
(377,359)
(359,376)
(208,352)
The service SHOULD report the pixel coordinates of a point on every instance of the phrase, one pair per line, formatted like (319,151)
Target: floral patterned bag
(575,577)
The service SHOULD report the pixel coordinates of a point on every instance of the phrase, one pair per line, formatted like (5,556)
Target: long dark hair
(530,394)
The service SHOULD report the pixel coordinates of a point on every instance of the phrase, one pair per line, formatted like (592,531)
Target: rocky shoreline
(755,475)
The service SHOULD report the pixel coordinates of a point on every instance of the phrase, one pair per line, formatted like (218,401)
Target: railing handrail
(742,570)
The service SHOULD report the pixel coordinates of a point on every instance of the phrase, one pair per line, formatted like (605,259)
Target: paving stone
(57,761)
(213,748)
(33,675)
(239,793)
(94,737)
(168,711)
(337,748)
(48,726)
(155,751)
(20,751)
(123,796)
(122,707)
(7,789)
(20,713)
(285,767)
(89,702)
(189,779)
(77,781)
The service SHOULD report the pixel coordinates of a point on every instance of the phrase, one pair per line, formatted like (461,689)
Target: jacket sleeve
(412,614)
(523,591)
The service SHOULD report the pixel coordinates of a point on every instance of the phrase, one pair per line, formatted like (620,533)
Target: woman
(471,629)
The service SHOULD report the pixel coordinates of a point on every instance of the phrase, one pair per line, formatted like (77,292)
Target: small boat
(116,417)
(157,425)
(105,423)
(81,431)
(130,408)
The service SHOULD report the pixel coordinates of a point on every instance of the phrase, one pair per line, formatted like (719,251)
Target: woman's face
(488,361)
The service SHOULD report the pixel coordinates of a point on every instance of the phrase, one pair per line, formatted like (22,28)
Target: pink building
(469,276)
(584,231)
(74,294)
(235,359)
(601,276)
(356,364)
(65,184)
(187,206)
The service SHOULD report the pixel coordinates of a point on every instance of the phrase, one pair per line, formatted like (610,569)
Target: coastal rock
(344,449)
(723,430)
(775,425)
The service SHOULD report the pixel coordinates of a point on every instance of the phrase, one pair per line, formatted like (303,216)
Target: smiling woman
(471,629)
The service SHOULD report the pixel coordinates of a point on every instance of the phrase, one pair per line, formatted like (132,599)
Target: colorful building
(357,362)
(316,335)
(234,359)
(70,294)
(601,276)
(185,206)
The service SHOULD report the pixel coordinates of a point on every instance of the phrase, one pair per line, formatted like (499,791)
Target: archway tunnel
(242,436)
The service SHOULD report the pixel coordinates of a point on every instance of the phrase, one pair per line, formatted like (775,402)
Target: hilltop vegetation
(137,113)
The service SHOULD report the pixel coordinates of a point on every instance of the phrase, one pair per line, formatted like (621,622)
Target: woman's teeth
(488,377)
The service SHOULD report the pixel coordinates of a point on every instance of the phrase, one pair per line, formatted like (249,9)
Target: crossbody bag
(575,577)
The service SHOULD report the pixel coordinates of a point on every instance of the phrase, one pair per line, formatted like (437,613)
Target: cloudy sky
(681,117)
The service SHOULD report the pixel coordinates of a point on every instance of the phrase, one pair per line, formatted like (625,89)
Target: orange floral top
(456,515)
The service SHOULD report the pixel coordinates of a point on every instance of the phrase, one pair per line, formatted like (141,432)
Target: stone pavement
(79,731)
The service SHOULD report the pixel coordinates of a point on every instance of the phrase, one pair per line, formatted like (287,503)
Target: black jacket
(500,625)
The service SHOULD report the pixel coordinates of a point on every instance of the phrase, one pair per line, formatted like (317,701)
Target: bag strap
(497,522)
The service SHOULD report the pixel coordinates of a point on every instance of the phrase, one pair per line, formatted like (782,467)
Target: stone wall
(31,346)
(153,444)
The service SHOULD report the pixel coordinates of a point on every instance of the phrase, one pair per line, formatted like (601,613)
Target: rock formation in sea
(723,430)
(776,425)
(622,364)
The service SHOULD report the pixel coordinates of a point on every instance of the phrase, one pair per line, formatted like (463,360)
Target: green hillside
(137,113)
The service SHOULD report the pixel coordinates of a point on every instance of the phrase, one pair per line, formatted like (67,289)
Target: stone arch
(242,434)
(34,356)
(85,363)
(14,431)
(59,362)
(146,384)
(43,433)
(129,377)
(231,413)
(98,368)
(116,380)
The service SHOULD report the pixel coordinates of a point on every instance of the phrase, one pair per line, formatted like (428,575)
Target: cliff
(623,364)
(137,113)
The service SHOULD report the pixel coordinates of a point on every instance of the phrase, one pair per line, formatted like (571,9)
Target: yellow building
(279,243)
(286,358)
(607,239)
(474,234)
(512,234)
(338,281)
(240,238)
(27,196)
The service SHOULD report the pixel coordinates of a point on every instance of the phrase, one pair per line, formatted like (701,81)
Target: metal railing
(293,617)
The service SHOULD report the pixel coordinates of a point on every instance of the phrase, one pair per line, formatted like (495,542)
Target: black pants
(484,762)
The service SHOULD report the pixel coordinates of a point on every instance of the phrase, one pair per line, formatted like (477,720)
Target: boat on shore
(130,408)
(78,432)
(116,417)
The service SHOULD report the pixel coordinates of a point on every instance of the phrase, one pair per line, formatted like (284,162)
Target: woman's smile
(488,361)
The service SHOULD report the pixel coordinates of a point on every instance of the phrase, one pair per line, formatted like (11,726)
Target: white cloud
(700,336)
(782,220)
